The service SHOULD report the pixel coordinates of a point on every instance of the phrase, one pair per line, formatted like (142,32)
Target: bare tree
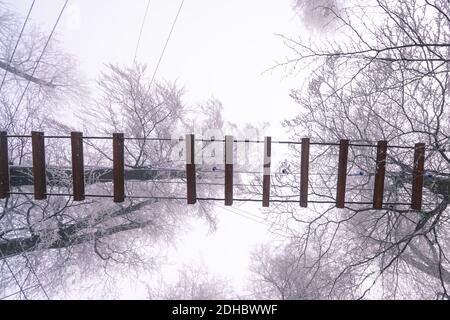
(318,15)
(382,76)
(42,242)
(33,72)
(32,82)
(193,282)
(283,272)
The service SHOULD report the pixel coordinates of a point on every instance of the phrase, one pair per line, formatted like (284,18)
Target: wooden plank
(418,170)
(266,171)
(190,170)
(76,139)
(304,172)
(38,149)
(342,173)
(228,170)
(118,167)
(4,166)
(378,189)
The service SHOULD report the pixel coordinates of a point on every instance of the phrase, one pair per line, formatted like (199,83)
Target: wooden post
(379,175)
(266,171)
(342,173)
(4,166)
(76,139)
(38,149)
(418,170)
(118,167)
(190,169)
(304,172)
(228,170)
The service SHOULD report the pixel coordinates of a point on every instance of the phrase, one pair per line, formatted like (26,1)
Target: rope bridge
(117,173)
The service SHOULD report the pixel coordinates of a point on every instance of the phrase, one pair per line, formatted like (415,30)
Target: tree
(282,272)
(42,242)
(193,282)
(34,77)
(27,103)
(382,75)
(98,234)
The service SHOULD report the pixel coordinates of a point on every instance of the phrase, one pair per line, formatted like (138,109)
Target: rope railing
(318,143)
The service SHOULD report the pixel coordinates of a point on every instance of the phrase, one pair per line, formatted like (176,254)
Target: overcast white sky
(218,49)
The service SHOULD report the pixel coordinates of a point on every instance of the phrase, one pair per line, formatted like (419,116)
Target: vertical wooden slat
(38,147)
(418,170)
(190,169)
(266,171)
(228,170)
(4,166)
(76,139)
(378,189)
(118,167)
(342,173)
(304,172)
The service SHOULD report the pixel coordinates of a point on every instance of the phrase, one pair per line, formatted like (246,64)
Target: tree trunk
(75,233)
(23,176)
(22,74)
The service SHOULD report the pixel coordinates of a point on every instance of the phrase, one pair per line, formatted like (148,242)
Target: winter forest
(321,79)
